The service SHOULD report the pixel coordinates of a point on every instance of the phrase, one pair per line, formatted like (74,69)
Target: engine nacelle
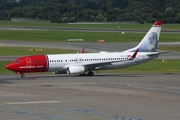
(75,70)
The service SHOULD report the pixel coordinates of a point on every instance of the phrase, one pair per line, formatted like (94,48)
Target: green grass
(8,51)
(154,66)
(128,25)
(63,36)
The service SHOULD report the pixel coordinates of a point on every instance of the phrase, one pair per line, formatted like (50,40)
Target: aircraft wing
(93,65)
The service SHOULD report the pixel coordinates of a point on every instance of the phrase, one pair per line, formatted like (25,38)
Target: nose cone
(9,67)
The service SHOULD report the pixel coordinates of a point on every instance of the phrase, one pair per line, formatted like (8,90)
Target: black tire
(22,75)
(90,73)
(82,74)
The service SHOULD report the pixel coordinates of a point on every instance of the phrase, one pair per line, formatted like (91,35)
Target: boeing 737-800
(87,62)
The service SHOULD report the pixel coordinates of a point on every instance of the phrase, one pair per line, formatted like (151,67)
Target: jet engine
(75,70)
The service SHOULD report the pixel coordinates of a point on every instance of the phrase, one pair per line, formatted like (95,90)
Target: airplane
(88,62)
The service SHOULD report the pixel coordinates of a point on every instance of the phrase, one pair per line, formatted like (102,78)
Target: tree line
(63,11)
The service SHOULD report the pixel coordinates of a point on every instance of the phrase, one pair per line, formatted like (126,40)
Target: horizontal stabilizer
(157,53)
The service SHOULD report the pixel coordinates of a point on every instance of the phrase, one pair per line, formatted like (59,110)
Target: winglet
(82,50)
(134,55)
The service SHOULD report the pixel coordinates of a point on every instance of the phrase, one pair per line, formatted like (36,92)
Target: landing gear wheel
(22,75)
(90,73)
(82,74)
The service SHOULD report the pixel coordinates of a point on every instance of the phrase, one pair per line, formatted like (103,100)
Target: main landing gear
(90,73)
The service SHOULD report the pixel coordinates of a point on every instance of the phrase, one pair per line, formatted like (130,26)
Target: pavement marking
(48,111)
(31,102)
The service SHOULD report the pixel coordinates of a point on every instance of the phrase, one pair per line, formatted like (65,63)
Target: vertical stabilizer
(150,40)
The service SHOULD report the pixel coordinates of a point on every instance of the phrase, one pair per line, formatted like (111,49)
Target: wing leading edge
(93,65)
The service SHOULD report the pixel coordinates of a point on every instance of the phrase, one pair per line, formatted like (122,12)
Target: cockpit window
(16,61)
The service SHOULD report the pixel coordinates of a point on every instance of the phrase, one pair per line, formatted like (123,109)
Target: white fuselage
(59,62)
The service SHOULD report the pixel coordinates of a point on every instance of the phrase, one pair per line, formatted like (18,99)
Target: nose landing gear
(22,75)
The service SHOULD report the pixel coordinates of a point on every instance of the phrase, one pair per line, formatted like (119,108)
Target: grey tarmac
(101,97)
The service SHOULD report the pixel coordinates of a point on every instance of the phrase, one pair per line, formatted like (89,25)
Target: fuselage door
(28,61)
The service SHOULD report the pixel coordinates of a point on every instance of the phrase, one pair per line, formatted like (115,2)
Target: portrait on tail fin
(150,40)
(151,44)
